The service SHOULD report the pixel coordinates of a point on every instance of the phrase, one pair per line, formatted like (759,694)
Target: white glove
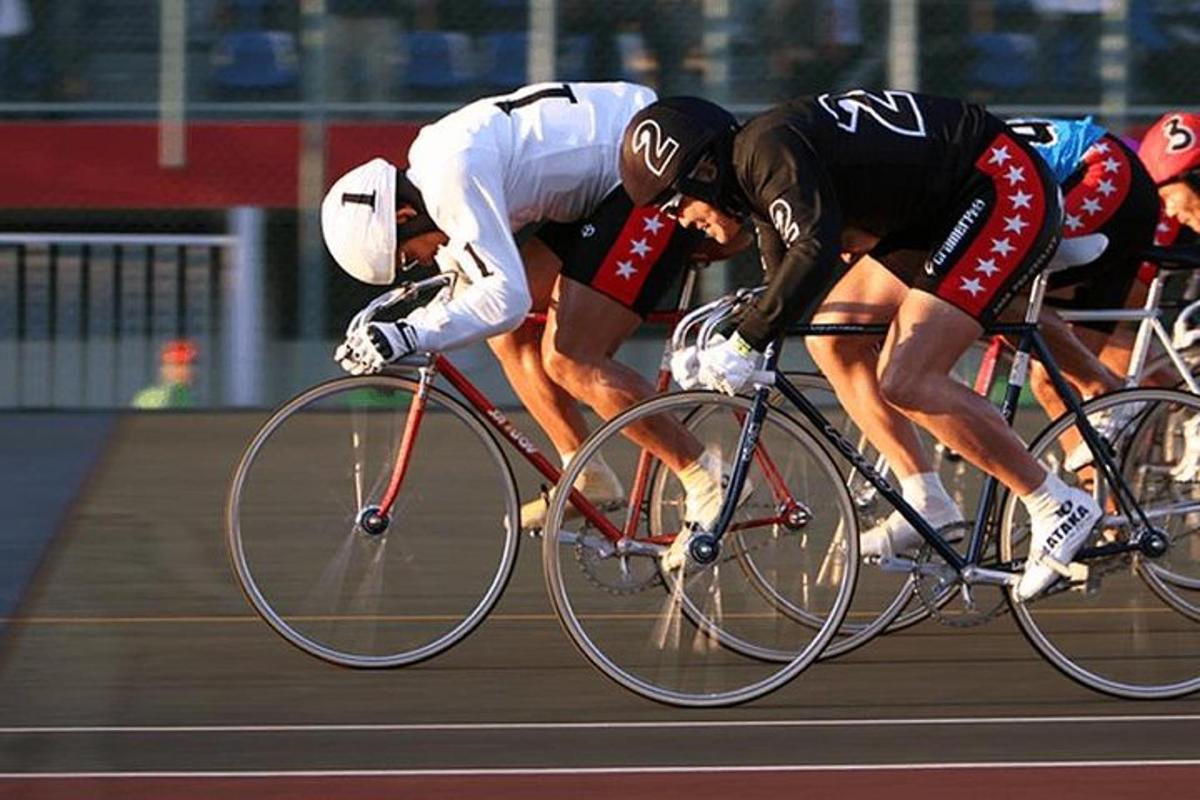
(685,368)
(368,349)
(728,364)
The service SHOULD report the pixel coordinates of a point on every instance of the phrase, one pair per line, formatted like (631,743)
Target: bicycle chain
(936,595)
(589,559)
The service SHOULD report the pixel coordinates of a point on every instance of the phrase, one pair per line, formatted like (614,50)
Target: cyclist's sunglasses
(671,205)
(1192,179)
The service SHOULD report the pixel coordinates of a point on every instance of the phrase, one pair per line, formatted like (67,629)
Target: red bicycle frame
(508,431)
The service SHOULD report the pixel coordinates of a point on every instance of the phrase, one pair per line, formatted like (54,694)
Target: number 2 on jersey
(896,111)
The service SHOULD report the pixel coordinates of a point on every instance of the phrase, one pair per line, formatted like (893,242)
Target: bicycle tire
(1110,645)
(262,546)
(628,626)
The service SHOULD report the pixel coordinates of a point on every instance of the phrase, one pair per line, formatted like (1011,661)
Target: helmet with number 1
(1171,147)
(358,220)
(679,145)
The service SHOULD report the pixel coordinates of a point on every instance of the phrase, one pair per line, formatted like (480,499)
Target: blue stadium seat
(575,54)
(1002,61)
(256,60)
(504,59)
(436,60)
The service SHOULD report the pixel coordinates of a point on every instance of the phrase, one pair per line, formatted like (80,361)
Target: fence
(84,317)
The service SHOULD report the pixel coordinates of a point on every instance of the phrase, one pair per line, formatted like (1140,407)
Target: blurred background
(159,245)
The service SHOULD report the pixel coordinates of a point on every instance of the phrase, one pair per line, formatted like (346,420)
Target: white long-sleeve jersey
(545,152)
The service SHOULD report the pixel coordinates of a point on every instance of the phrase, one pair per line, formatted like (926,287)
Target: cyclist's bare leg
(578,355)
(925,340)
(520,355)
(867,293)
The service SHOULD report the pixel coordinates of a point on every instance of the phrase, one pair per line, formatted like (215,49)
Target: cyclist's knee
(906,388)
(565,369)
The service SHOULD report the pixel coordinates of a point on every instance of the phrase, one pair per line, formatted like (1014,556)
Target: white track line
(536,771)
(451,727)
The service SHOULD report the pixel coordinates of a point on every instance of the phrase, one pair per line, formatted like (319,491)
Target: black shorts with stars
(632,255)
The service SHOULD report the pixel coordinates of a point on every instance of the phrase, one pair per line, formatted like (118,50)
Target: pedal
(893,563)
(1082,578)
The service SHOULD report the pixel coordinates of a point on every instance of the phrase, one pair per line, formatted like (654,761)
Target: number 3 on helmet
(1171,147)
(664,143)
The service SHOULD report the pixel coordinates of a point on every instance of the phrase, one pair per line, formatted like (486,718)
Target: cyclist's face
(417,249)
(1182,202)
(708,219)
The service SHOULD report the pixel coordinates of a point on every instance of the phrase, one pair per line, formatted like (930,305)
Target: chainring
(614,573)
(937,585)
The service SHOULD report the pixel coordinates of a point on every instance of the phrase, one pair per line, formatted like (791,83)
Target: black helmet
(665,143)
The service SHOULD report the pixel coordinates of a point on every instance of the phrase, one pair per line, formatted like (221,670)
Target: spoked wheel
(884,600)
(705,635)
(332,574)
(1112,625)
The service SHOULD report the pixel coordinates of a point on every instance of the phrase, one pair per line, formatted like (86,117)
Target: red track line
(940,783)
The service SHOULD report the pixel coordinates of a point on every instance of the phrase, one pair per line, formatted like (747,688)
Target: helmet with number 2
(665,147)
(1171,147)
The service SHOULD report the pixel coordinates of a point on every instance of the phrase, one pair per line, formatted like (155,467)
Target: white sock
(566,458)
(924,491)
(1046,499)
(696,476)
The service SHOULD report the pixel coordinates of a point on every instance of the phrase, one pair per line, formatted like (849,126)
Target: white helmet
(358,220)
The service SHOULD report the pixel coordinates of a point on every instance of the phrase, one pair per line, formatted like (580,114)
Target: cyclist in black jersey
(835,185)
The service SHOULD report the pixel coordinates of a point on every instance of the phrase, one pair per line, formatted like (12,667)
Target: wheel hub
(704,548)
(1154,543)
(372,521)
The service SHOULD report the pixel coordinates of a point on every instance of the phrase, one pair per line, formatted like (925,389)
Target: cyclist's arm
(799,228)
(466,201)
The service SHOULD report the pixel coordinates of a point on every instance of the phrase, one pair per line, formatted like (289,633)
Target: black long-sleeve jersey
(883,162)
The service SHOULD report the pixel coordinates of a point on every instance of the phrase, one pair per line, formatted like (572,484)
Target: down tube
(847,449)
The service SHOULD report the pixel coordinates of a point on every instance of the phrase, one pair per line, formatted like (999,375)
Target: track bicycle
(1101,623)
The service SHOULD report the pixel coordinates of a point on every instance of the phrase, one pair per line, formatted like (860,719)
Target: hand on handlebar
(369,348)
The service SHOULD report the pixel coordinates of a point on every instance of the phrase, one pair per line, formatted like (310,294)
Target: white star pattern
(1100,147)
(1073,222)
(1163,228)
(640,248)
(999,155)
(653,224)
(1002,246)
(1091,205)
(625,269)
(1021,200)
(971,285)
(1015,175)
(1015,224)
(1106,187)
(987,267)
(1111,165)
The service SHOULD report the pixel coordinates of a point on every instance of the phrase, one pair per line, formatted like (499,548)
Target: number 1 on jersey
(563,91)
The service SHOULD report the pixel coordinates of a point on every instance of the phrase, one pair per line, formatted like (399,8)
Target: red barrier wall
(115,165)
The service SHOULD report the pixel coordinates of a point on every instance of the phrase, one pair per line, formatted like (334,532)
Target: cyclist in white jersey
(546,153)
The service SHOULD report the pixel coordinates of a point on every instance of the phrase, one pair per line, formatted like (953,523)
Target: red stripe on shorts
(1010,232)
(642,241)
(1105,185)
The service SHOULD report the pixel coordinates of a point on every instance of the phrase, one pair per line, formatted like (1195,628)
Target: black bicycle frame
(1030,341)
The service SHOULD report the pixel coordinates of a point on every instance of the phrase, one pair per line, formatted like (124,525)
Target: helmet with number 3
(1171,147)
(665,148)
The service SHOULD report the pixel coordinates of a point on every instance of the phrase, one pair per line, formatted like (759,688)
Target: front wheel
(705,635)
(372,591)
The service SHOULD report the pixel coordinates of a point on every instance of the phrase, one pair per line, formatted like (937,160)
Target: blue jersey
(1060,142)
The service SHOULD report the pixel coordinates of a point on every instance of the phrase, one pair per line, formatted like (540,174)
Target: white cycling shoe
(702,507)
(598,483)
(1187,468)
(895,536)
(1056,538)
(1109,423)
